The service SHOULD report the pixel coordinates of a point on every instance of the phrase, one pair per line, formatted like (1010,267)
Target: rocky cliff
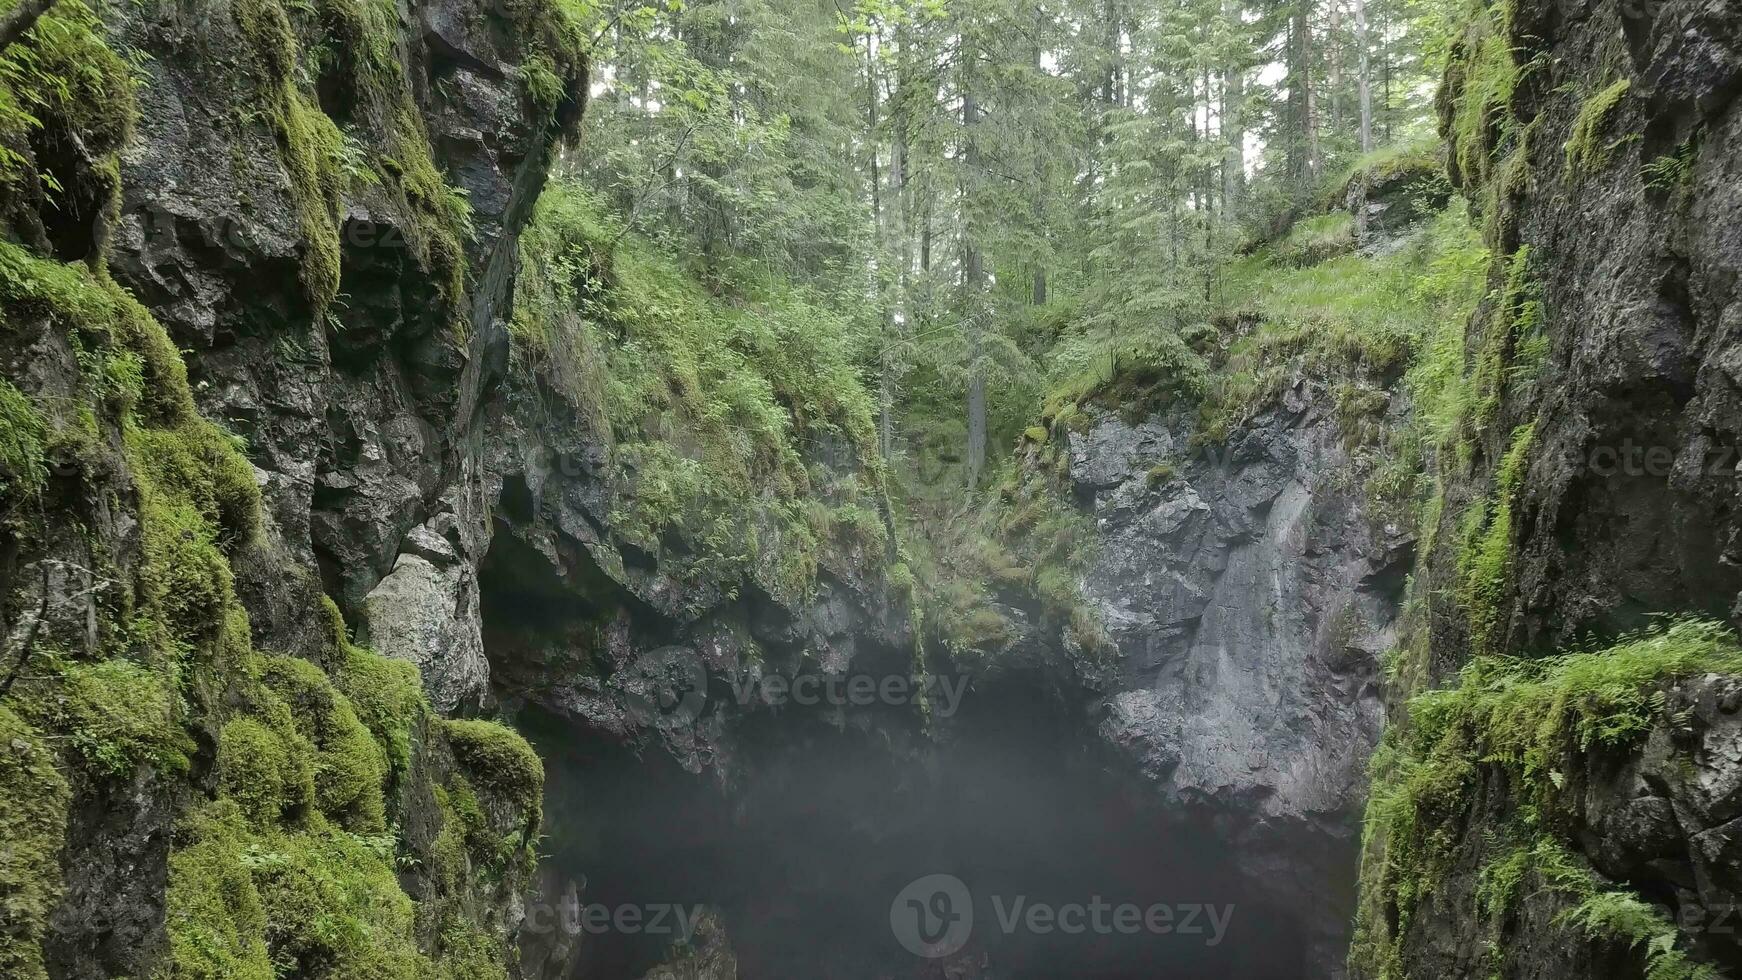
(1250,594)
(1556,794)
(315,375)
(266,279)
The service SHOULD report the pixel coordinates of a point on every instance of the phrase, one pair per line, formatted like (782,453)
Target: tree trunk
(1037,288)
(1314,156)
(1334,65)
(1304,142)
(974,281)
(1366,79)
(1233,126)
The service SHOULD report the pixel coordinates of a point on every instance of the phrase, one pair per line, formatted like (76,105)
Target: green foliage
(1585,149)
(1485,554)
(1514,344)
(291,869)
(350,767)
(22,430)
(1025,541)
(267,773)
(122,715)
(1419,157)
(500,759)
(1624,917)
(1673,171)
(1476,95)
(33,828)
(1534,721)
(213,916)
(1354,318)
(64,77)
(1317,239)
(709,401)
(245,903)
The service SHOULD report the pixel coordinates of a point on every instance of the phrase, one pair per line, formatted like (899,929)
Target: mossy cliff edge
(201,776)
(1555,792)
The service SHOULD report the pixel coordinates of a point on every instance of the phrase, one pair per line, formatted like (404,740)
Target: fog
(822,826)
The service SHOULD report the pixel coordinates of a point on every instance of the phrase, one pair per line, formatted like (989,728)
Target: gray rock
(1250,597)
(427,614)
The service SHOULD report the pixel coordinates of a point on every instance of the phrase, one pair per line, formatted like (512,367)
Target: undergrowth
(1530,723)
(738,421)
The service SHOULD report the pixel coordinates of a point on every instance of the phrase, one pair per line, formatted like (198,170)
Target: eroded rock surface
(1250,597)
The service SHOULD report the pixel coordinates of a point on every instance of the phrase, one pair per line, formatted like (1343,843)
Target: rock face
(441,491)
(1609,185)
(1250,598)
(426,611)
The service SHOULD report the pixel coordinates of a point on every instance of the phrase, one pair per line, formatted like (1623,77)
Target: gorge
(542,489)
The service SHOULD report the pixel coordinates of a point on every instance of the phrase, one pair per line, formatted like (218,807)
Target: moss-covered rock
(32,827)
(499,758)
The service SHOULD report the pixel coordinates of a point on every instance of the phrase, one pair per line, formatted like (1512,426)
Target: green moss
(32,829)
(1485,557)
(388,698)
(1317,239)
(498,758)
(199,463)
(709,401)
(1585,149)
(121,715)
(64,77)
(1416,159)
(334,908)
(266,773)
(214,920)
(22,433)
(1514,344)
(1356,321)
(184,583)
(1534,721)
(1475,96)
(386,694)
(350,767)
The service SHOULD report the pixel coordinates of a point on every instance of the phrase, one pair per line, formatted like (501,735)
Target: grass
(1385,163)
(1352,318)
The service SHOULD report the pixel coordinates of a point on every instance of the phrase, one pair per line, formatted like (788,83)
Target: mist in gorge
(870,489)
